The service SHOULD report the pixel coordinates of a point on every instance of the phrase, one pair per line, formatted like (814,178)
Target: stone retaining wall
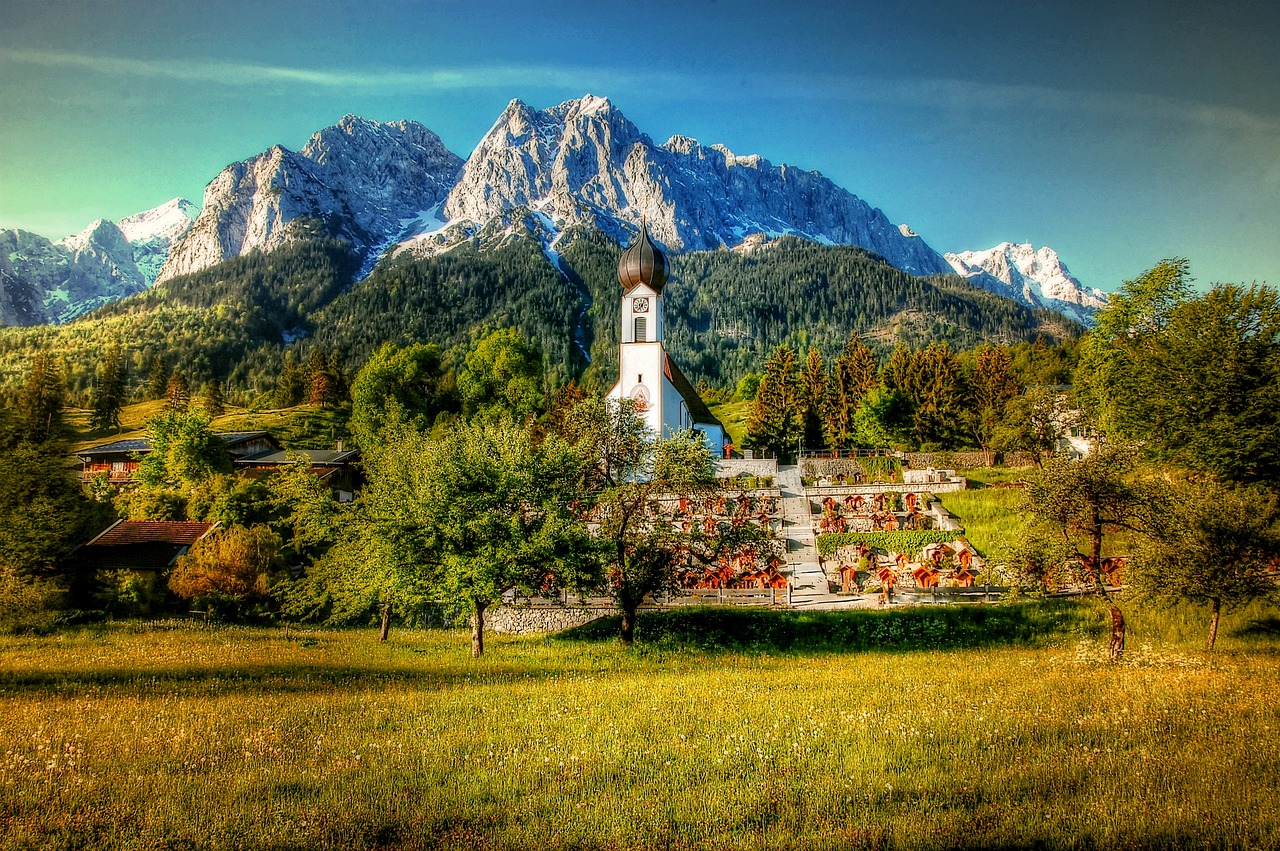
(519,620)
(727,467)
(966,459)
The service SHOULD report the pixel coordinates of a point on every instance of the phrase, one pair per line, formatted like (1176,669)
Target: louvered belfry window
(642,327)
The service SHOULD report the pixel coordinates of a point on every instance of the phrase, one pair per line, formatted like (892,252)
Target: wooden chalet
(335,467)
(119,459)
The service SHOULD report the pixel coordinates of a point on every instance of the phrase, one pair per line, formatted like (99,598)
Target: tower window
(641,328)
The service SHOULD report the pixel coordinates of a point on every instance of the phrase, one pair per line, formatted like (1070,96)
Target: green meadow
(979,727)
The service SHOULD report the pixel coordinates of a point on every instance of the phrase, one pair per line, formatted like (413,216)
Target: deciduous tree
(235,564)
(400,388)
(184,451)
(625,472)
(502,375)
(1082,502)
(481,511)
(1214,544)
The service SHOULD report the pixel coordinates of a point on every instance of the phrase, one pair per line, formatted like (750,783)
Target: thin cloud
(982,98)
(390,79)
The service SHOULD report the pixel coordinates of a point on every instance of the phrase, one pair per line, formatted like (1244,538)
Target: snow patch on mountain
(1035,277)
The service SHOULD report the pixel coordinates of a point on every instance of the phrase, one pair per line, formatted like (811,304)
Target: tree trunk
(386,622)
(628,625)
(477,631)
(1213,622)
(1117,633)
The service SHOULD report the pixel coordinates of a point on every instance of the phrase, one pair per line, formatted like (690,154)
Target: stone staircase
(808,580)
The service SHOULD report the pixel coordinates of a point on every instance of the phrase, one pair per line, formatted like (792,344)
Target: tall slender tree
(157,377)
(811,397)
(853,375)
(109,392)
(773,422)
(212,401)
(42,399)
(992,386)
(177,394)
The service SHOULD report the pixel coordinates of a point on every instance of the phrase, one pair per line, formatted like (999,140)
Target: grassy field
(733,415)
(989,510)
(302,427)
(932,728)
(989,515)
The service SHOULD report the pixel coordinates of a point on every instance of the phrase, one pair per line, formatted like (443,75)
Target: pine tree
(42,399)
(853,375)
(291,384)
(212,402)
(900,372)
(936,385)
(319,383)
(177,393)
(109,394)
(157,378)
(812,397)
(340,386)
(993,386)
(774,422)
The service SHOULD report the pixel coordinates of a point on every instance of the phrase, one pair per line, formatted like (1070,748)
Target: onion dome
(642,263)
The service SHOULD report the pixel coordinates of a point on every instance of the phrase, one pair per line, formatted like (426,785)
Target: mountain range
(393,189)
(42,281)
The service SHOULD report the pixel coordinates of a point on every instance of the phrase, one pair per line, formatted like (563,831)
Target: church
(665,399)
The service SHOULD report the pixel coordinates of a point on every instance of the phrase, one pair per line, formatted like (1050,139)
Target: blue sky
(1117,133)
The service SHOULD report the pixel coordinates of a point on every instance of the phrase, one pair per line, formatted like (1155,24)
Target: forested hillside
(726,311)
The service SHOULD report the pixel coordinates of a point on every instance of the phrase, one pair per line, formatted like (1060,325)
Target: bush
(26,604)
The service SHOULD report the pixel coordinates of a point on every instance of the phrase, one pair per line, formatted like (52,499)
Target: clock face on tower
(640,305)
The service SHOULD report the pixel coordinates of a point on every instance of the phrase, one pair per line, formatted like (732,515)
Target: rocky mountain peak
(1036,277)
(362,180)
(584,162)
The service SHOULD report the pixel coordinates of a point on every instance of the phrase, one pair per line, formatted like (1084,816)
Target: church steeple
(642,263)
(665,400)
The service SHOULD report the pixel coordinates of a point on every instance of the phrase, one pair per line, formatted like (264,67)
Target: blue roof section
(134,444)
(142,444)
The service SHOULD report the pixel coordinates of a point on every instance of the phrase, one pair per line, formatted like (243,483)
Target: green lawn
(932,728)
(989,515)
(734,417)
(301,427)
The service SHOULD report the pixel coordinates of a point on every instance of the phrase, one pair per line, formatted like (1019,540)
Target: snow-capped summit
(584,162)
(46,281)
(152,233)
(1038,278)
(167,222)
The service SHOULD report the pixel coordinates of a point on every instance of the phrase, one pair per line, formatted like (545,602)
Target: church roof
(698,409)
(642,263)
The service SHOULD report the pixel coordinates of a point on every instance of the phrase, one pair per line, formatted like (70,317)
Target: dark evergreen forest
(726,311)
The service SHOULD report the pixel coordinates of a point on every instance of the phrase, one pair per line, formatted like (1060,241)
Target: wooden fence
(976,594)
